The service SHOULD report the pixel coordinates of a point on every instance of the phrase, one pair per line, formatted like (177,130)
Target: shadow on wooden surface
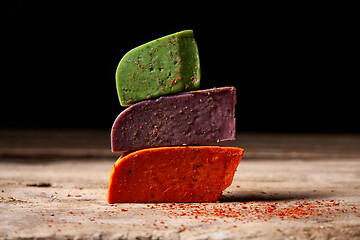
(241,196)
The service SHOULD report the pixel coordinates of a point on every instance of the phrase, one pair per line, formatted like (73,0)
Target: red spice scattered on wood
(236,212)
(253,211)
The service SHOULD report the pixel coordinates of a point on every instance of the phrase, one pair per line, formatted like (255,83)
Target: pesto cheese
(163,66)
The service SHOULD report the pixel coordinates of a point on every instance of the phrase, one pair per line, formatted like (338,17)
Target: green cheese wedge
(163,66)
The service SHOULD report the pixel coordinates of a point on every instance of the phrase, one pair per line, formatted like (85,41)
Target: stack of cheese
(165,118)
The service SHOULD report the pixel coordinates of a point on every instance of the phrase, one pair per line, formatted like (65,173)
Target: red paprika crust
(173,174)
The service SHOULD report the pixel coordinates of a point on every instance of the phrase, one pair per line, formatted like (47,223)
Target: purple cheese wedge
(197,117)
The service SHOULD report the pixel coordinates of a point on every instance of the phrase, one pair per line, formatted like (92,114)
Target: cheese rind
(197,117)
(164,66)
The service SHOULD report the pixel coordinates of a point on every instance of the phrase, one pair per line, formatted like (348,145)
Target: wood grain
(52,187)
(39,144)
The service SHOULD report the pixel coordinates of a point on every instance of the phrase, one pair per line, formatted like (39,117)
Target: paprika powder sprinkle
(246,212)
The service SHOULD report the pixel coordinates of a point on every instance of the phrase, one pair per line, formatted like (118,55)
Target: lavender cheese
(197,117)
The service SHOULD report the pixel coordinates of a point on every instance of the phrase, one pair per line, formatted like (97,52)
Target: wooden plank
(278,199)
(45,144)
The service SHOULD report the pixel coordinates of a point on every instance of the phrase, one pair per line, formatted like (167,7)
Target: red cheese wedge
(173,174)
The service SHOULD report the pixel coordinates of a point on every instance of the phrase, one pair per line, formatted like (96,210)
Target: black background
(294,68)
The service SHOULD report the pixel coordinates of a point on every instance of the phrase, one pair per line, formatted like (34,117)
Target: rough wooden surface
(49,144)
(286,187)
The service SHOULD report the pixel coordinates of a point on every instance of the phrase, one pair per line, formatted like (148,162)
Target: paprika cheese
(173,174)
